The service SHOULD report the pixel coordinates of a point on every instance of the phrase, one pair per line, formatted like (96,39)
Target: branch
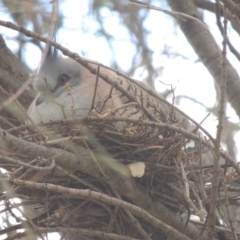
(209,52)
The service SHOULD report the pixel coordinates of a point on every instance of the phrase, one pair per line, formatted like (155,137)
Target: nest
(51,194)
(71,177)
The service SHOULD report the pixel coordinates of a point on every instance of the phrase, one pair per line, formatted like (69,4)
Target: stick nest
(176,177)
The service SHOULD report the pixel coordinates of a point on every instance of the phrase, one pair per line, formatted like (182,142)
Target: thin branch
(216,169)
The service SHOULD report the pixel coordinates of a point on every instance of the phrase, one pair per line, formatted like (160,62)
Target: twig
(216,169)
(95,90)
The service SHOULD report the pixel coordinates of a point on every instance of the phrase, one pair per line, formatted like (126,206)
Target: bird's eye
(62,79)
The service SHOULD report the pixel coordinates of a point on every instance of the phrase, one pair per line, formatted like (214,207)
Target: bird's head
(53,75)
(66,89)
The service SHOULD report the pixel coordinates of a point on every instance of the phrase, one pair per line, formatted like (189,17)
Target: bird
(67,89)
